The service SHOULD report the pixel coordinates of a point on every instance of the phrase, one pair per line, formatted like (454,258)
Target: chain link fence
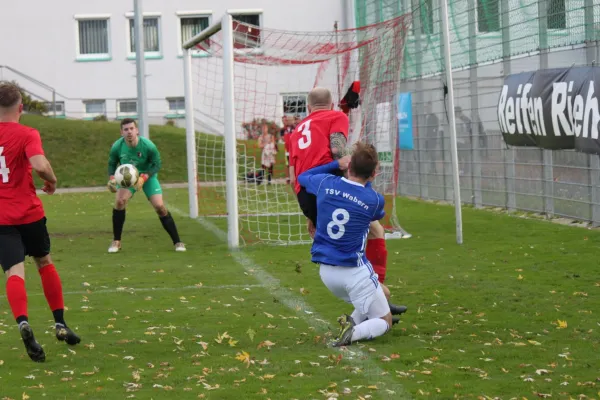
(491,39)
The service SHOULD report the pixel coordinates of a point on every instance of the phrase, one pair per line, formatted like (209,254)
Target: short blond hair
(320,97)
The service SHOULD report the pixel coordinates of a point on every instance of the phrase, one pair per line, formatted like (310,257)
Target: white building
(83,51)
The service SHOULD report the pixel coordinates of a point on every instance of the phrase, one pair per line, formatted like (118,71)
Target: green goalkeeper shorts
(150,188)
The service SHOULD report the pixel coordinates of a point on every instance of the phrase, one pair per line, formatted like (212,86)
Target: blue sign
(405,124)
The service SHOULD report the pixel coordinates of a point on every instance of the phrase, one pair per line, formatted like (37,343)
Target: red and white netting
(273,72)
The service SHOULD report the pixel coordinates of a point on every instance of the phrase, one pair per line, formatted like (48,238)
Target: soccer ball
(126,175)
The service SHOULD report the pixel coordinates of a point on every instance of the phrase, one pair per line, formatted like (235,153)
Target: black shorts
(308,204)
(308,201)
(18,241)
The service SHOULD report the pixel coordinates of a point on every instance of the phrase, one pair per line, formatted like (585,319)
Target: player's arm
(35,154)
(154,164)
(42,167)
(337,144)
(312,178)
(338,138)
(154,161)
(113,162)
(380,212)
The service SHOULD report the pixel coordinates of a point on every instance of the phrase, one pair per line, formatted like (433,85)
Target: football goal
(244,84)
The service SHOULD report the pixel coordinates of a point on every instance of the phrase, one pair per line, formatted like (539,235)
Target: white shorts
(358,286)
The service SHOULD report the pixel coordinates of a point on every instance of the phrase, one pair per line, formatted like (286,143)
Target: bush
(100,118)
(254,128)
(170,122)
(30,105)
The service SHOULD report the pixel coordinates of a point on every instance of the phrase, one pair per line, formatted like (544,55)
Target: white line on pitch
(157,289)
(297,304)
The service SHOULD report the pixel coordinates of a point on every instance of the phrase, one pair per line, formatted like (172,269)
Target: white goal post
(225,24)
(245,83)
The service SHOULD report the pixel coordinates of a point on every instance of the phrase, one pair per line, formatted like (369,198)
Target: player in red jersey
(22,220)
(316,141)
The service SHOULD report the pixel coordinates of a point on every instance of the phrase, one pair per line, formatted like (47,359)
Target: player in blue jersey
(346,207)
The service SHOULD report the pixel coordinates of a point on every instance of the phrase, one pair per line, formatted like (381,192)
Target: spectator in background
(286,132)
(262,139)
(268,156)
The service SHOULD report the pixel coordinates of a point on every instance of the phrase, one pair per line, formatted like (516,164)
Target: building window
(59,107)
(488,16)
(93,37)
(152,39)
(94,108)
(294,104)
(126,108)
(246,27)
(557,14)
(192,23)
(176,105)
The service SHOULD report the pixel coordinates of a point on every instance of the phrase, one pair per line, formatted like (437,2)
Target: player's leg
(377,255)
(37,245)
(308,205)
(118,217)
(287,168)
(271,167)
(12,259)
(153,192)
(371,307)
(379,318)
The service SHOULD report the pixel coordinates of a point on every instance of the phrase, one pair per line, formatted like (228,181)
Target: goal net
(246,85)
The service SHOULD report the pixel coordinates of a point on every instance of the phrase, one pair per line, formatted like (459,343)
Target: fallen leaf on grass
(561,324)
(232,342)
(542,371)
(250,333)
(243,357)
(220,337)
(267,343)
(208,387)
(204,345)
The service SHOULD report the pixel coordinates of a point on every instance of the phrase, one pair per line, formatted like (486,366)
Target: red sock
(17,297)
(377,256)
(52,287)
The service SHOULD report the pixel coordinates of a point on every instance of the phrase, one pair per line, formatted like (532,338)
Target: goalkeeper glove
(112,184)
(140,182)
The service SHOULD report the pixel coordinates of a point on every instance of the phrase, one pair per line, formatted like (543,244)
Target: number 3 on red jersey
(305,140)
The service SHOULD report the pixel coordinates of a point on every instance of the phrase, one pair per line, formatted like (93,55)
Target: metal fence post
(547,162)
(509,153)
(475,118)
(593,159)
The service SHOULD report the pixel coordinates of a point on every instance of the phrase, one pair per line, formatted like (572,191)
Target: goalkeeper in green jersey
(141,152)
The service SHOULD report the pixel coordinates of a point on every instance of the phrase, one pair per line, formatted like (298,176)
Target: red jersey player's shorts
(309,147)
(17,241)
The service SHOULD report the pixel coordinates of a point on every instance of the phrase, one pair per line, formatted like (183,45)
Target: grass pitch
(512,313)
